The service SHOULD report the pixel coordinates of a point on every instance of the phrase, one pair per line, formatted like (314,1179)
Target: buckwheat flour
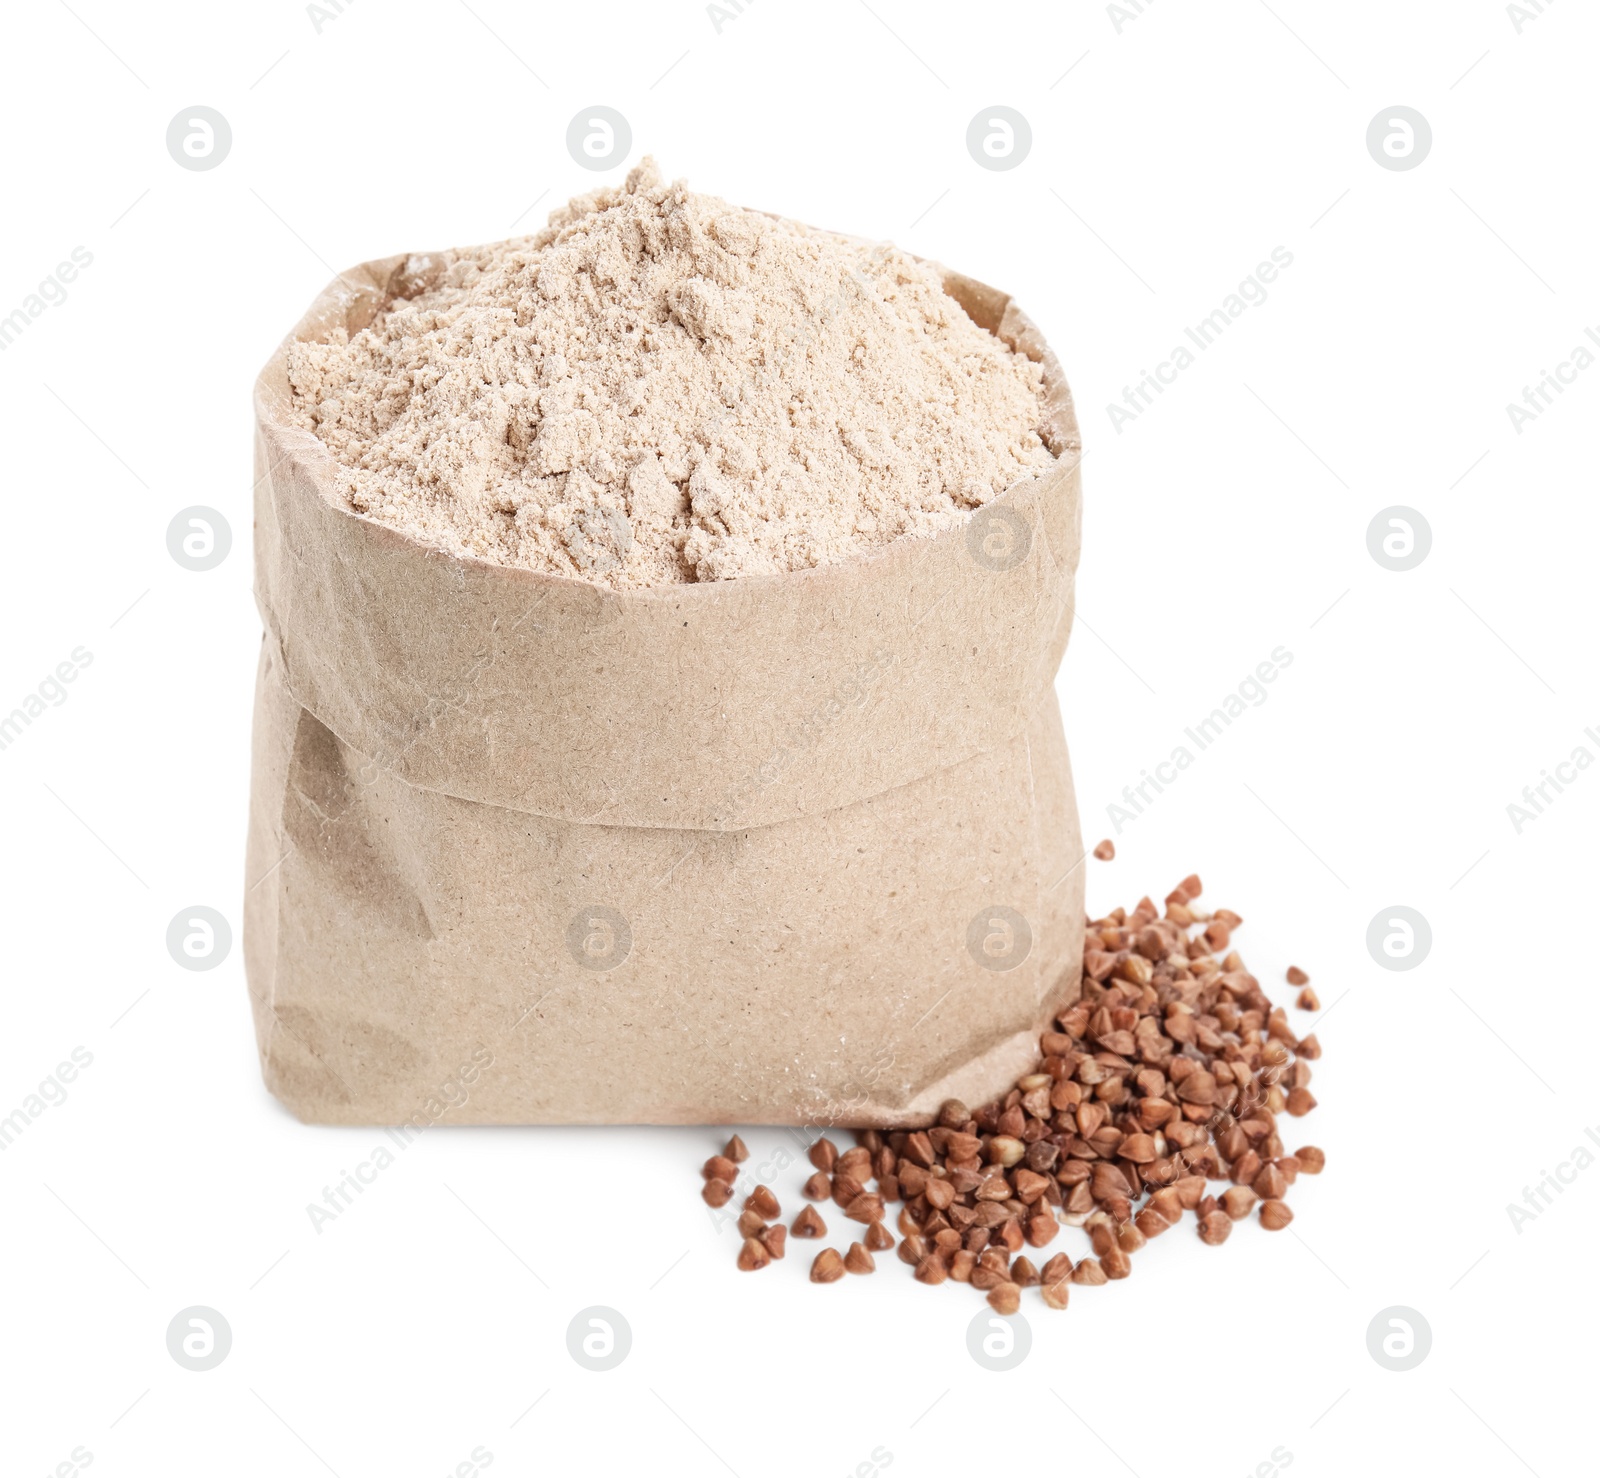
(661,388)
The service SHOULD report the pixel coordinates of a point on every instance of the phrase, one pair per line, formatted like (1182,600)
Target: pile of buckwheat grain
(1169,1073)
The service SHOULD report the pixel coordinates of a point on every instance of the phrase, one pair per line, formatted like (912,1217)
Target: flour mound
(662,388)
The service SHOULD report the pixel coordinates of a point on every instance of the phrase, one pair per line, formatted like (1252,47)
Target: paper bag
(789,849)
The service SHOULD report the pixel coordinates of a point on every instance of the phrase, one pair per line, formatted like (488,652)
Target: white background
(1168,159)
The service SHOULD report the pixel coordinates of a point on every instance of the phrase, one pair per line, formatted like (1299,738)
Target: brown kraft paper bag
(798,849)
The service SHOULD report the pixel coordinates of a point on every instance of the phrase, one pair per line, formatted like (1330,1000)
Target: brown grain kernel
(1054,1292)
(984,1278)
(939,1194)
(931,1270)
(1005,1298)
(736,1151)
(763,1201)
(1238,1201)
(962,1264)
(1089,1273)
(912,1250)
(1036,1102)
(953,1113)
(1009,1235)
(1245,1168)
(912,1179)
(1215,1227)
(845,1189)
(1300,1102)
(809,1224)
(776,1240)
(1168,1203)
(1310,1048)
(1108,1181)
(1151,1222)
(1023,1273)
(1129,1238)
(751,1223)
(720,1167)
(1105,850)
(1115,1263)
(858,1259)
(1311,1159)
(1066,1095)
(818,1188)
(919,1149)
(823,1154)
(1151,943)
(948,1241)
(1154,1112)
(1276,1215)
(1136,969)
(1307,1000)
(1042,1229)
(828,1267)
(1256,1128)
(1030,1186)
(1297,976)
(865,1208)
(1190,1189)
(1139,1148)
(753,1256)
(1233,1142)
(1081,1202)
(716,1193)
(1182,1134)
(879,1238)
(1270,1184)
(1005,1150)
(1042,1157)
(1058,1267)
(856,1163)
